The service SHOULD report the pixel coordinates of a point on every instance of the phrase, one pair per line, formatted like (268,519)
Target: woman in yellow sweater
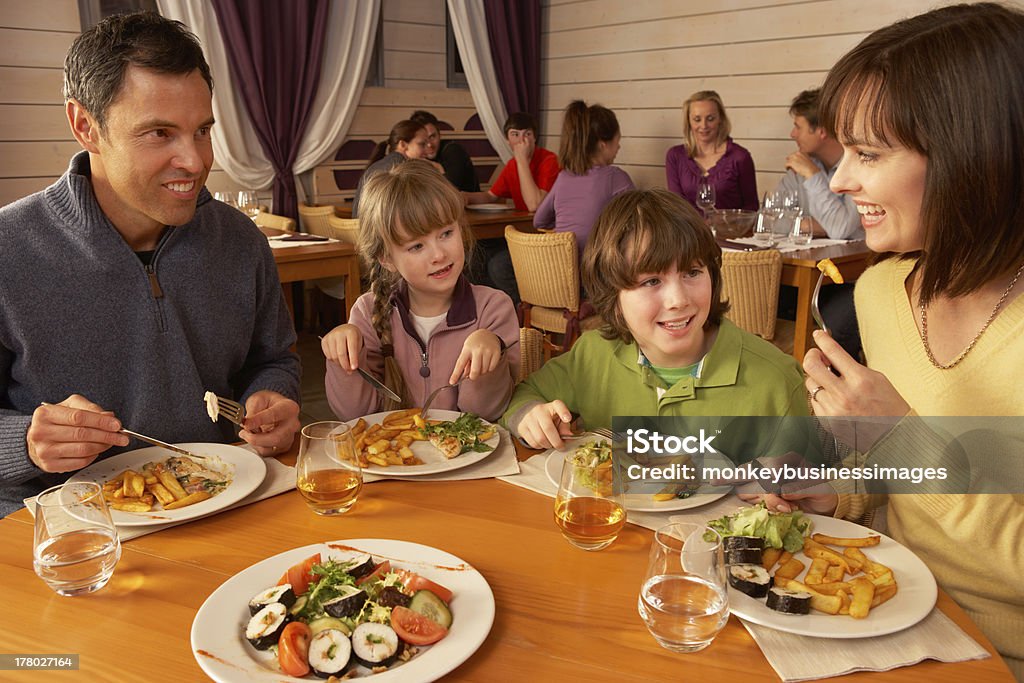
(929,112)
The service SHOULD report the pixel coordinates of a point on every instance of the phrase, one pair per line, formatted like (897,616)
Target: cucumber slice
(324,623)
(432,607)
(300,602)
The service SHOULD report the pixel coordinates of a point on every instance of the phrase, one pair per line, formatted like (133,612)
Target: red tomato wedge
(381,569)
(293,649)
(301,575)
(415,628)
(414,582)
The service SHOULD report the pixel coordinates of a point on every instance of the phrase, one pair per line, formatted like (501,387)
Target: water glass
(803,230)
(248,203)
(589,507)
(75,548)
(684,599)
(226,198)
(764,228)
(706,196)
(327,472)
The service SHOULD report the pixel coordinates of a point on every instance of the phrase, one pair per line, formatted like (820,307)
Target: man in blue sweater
(126,291)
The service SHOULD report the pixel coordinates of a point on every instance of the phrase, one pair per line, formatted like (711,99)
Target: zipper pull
(424,368)
(154,284)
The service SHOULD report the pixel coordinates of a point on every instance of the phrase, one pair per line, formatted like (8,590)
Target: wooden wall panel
(30,86)
(51,15)
(33,122)
(19,47)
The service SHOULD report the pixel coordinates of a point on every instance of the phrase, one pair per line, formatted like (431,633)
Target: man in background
(127,291)
(453,157)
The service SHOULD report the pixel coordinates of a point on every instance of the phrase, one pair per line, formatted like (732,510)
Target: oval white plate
(493,207)
(220,648)
(638,502)
(249,471)
(433,460)
(912,603)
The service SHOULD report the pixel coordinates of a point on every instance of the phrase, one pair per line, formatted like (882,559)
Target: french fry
(172,484)
(833,588)
(161,493)
(377,460)
(816,574)
(378,447)
(400,416)
(134,484)
(844,609)
(835,573)
(847,542)
(785,557)
(130,506)
(826,266)
(406,453)
(114,483)
(359,427)
(190,499)
(883,594)
(393,458)
(863,593)
(814,549)
(829,604)
(769,557)
(418,421)
(790,570)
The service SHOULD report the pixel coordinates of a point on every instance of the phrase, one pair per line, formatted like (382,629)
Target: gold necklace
(963,354)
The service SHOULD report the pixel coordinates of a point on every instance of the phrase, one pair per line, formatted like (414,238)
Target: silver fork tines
(232,411)
(815,311)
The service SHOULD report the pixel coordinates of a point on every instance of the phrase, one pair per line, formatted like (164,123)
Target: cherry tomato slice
(414,582)
(293,649)
(381,569)
(301,575)
(415,628)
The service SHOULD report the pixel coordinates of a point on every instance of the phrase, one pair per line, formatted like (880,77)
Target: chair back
(750,281)
(547,268)
(344,229)
(531,347)
(314,219)
(272,220)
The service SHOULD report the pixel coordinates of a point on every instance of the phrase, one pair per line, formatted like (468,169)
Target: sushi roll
(329,652)
(391,596)
(789,602)
(360,566)
(265,626)
(743,556)
(752,579)
(282,594)
(738,542)
(348,603)
(375,645)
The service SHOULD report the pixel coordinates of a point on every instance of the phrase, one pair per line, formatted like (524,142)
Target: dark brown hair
(806,105)
(95,65)
(724,125)
(949,85)
(403,131)
(646,231)
(409,201)
(582,128)
(520,120)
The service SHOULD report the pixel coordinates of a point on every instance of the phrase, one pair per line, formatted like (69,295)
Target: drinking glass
(684,599)
(75,548)
(705,196)
(772,204)
(803,229)
(764,228)
(248,203)
(226,198)
(589,507)
(327,472)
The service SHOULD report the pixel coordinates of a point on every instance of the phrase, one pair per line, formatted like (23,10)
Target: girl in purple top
(588,181)
(709,151)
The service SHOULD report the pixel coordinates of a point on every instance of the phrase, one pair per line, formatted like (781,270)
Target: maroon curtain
(513,28)
(275,50)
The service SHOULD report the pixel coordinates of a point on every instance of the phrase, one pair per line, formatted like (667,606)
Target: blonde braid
(383,286)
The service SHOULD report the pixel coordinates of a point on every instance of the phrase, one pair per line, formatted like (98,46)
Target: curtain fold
(513,29)
(470,27)
(346,59)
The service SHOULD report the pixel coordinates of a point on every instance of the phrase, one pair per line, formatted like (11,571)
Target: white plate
(219,625)
(638,502)
(249,471)
(913,601)
(494,207)
(433,460)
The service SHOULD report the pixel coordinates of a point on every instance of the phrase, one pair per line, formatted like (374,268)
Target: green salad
(784,530)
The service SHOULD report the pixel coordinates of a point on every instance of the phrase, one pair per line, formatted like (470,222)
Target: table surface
(317,260)
(562,613)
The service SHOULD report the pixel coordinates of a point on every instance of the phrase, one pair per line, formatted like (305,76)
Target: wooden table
(799,269)
(491,224)
(562,613)
(314,261)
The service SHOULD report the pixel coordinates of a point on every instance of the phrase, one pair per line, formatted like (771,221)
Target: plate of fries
(640,496)
(862,584)
(141,496)
(391,444)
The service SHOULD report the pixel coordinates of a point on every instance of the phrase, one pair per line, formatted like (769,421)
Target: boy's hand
(342,345)
(481,353)
(545,425)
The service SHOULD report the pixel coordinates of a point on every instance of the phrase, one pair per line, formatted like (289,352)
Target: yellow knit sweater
(973,544)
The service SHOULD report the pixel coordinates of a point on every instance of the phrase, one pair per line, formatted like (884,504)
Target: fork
(233,411)
(435,392)
(815,311)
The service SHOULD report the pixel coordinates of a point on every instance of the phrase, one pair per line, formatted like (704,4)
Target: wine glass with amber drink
(589,507)
(327,472)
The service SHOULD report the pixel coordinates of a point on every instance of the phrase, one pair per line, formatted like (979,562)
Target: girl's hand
(856,392)
(481,353)
(545,425)
(342,345)
(816,503)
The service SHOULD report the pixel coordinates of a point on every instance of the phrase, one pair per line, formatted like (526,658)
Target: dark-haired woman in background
(408,140)
(708,151)
(588,181)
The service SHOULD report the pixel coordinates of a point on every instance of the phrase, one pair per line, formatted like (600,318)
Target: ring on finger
(814,394)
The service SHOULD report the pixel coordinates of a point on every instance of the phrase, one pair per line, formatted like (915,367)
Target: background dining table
(561,613)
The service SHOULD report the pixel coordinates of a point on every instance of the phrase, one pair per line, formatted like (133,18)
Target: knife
(378,385)
(161,444)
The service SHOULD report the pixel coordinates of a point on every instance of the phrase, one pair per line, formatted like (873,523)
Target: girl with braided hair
(422,325)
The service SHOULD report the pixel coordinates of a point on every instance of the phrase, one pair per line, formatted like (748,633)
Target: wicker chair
(272,220)
(548,274)
(750,281)
(531,347)
(344,229)
(314,219)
